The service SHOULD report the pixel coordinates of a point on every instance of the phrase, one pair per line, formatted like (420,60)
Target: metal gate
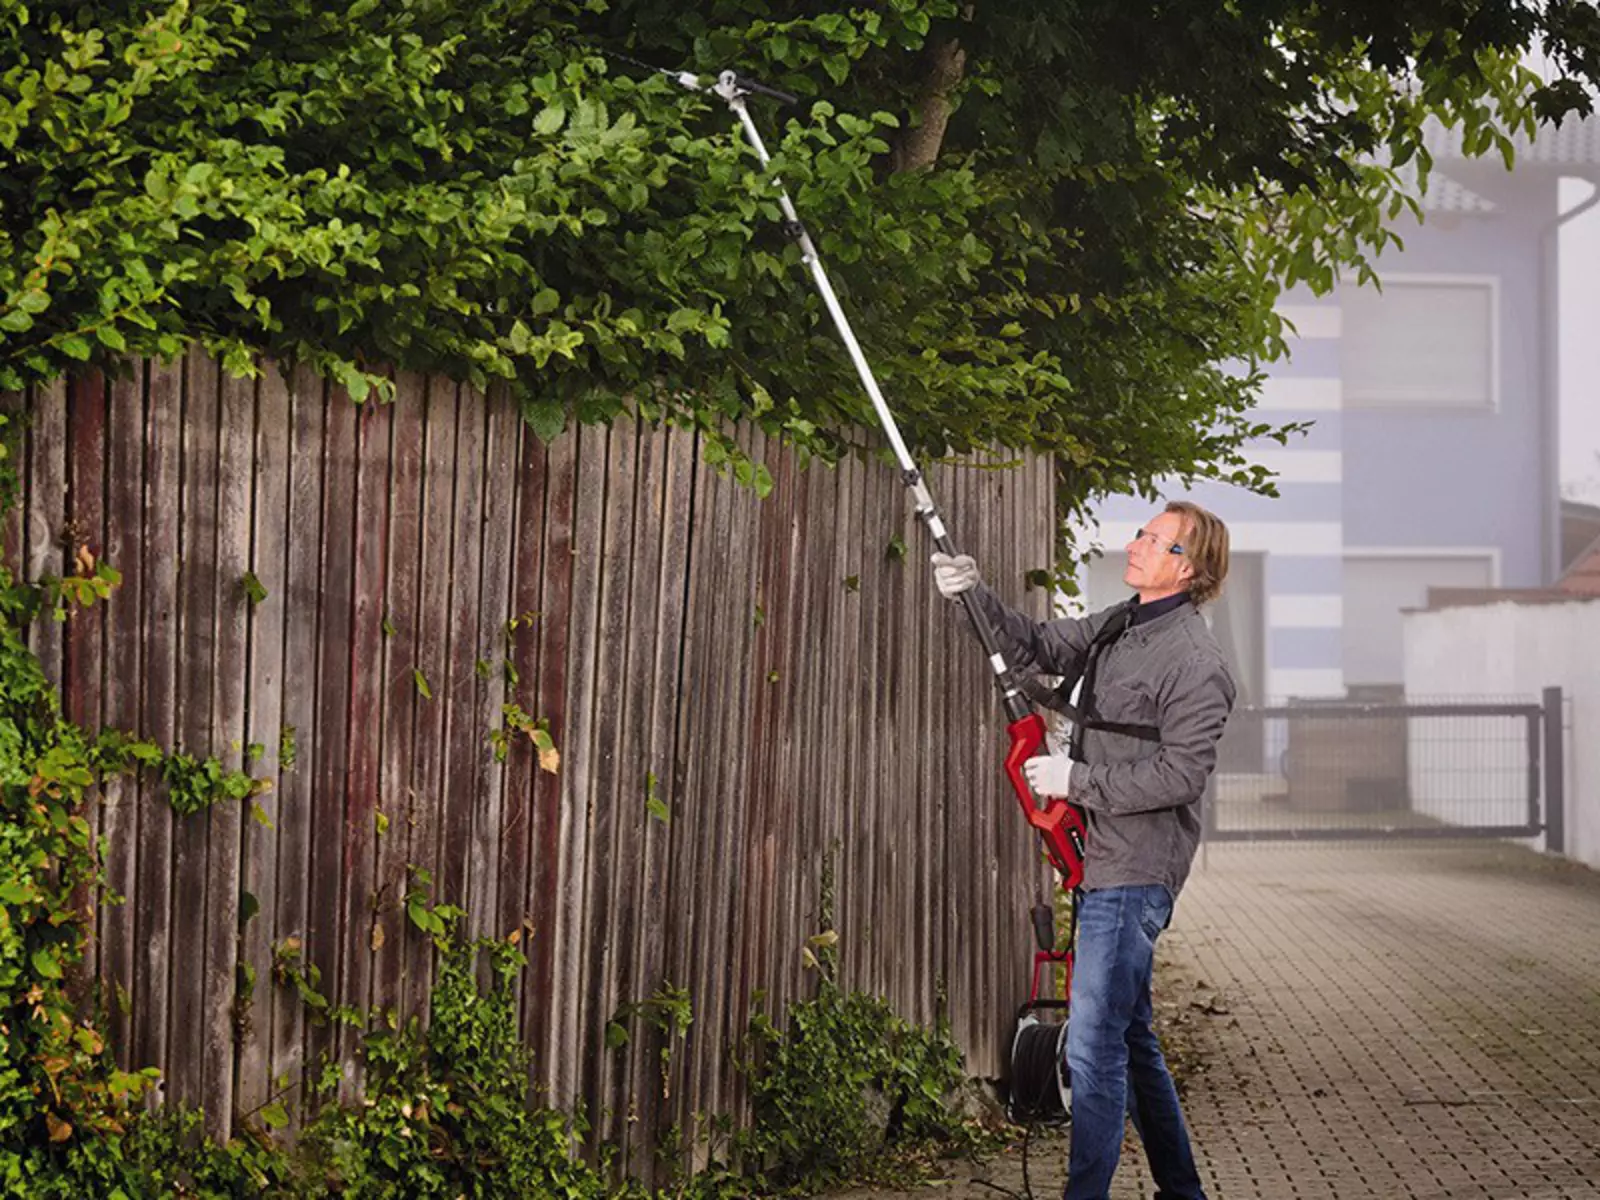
(1336,770)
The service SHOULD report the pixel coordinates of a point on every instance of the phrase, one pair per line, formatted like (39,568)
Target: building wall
(1408,483)
(1470,479)
(1516,651)
(1300,533)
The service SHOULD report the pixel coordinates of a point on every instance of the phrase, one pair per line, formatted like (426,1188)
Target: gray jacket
(1141,798)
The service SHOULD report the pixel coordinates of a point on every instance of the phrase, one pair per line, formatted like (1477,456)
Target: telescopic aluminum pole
(1058,822)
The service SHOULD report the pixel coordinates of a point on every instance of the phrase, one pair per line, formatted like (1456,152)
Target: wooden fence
(749,698)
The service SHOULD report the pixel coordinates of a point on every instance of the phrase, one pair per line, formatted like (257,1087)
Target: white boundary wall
(1517,650)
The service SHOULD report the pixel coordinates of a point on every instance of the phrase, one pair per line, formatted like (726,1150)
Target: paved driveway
(1393,1023)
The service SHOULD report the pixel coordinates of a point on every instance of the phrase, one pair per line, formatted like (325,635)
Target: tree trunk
(918,144)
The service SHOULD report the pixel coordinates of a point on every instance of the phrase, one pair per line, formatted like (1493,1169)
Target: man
(1151,712)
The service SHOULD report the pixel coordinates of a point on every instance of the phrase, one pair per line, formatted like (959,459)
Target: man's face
(1154,568)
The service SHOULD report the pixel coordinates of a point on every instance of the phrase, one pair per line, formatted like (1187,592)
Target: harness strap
(1088,717)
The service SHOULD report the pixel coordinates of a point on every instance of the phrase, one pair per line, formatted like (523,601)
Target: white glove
(1049,774)
(954,574)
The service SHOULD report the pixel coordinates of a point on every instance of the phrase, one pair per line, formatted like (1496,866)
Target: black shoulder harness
(1087,716)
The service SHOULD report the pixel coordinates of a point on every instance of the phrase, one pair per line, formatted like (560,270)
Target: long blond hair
(1205,545)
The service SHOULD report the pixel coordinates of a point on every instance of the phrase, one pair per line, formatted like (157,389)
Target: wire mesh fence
(1351,768)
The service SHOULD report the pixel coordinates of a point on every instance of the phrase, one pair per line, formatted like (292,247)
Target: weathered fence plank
(574,1018)
(392,946)
(46,517)
(363,802)
(120,801)
(329,765)
(428,682)
(494,655)
(197,668)
(514,901)
(225,738)
(547,995)
(264,709)
(607,700)
(151,995)
(84,542)
(297,784)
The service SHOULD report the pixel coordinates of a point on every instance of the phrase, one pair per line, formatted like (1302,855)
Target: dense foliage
(1061,224)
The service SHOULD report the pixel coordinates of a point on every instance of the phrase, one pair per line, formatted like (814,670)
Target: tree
(1062,225)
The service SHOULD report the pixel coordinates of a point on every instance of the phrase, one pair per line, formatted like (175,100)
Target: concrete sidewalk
(1394,1023)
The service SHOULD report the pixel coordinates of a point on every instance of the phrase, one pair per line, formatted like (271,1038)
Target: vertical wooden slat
(81,675)
(610,830)
(84,527)
(671,455)
(813,755)
(119,820)
(980,859)
(867,747)
(458,690)
(515,908)
(327,918)
(547,994)
(498,536)
(640,783)
(230,559)
(723,1013)
(683,870)
(932,796)
(265,684)
(432,668)
(573,934)
(151,998)
(765,792)
(46,514)
(396,796)
(707,784)
(367,569)
(196,649)
(297,735)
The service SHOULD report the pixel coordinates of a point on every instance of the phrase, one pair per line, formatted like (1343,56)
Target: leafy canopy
(1055,224)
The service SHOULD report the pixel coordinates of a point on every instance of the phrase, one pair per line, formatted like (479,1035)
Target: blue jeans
(1112,1052)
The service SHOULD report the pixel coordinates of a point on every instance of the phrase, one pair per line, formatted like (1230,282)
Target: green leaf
(274,1115)
(18,891)
(45,963)
(254,592)
(653,803)
(421,681)
(547,418)
(549,119)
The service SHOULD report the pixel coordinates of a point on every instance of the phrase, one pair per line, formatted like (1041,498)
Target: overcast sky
(1580,345)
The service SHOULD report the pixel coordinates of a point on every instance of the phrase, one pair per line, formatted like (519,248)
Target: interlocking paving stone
(1376,1022)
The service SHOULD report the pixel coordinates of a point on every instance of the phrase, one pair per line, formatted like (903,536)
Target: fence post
(1555,773)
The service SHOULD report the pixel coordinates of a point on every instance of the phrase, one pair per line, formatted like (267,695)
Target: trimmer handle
(1059,823)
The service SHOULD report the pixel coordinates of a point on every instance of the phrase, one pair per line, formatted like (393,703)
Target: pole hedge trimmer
(1059,823)
(1038,1065)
